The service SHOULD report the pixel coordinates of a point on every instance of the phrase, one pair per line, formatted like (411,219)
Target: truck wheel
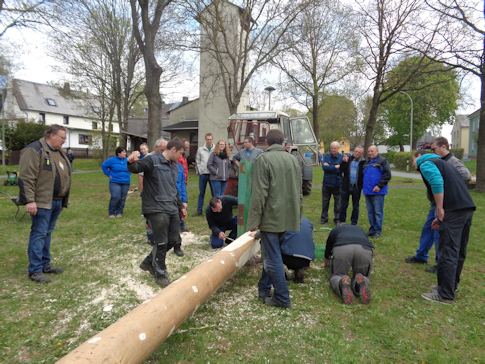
(307,187)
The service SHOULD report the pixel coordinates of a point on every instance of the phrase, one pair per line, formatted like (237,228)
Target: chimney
(185,99)
(67,88)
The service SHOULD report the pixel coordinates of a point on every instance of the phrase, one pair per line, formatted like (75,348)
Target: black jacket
(345,168)
(345,235)
(220,219)
(160,192)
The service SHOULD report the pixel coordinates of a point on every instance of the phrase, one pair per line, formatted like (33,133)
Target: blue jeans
(218,243)
(118,193)
(218,188)
(273,270)
(43,224)
(344,204)
(428,237)
(203,180)
(375,212)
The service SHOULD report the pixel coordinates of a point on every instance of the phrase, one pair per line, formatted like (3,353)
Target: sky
(36,66)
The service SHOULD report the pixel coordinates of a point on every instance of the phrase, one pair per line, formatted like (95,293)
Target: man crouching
(348,246)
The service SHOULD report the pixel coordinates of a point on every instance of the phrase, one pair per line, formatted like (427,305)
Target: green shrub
(458,152)
(401,158)
(389,155)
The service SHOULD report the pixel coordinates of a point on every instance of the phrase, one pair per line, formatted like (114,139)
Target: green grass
(42,323)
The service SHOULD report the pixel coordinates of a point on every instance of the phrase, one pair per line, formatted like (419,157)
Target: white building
(54,105)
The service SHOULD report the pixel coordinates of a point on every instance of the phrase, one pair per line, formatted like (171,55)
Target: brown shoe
(198,213)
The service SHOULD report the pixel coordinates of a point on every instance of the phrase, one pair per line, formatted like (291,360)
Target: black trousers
(345,196)
(454,233)
(327,193)
(165,235)
(295,263)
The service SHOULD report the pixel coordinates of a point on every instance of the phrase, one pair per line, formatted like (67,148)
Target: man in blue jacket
(454,210)
(332,182)
(377,174)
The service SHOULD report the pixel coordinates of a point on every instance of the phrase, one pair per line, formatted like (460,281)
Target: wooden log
(139,333)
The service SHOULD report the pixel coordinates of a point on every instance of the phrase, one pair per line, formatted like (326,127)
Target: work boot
(262,297)
(39,277)
(361,288)
(52,270)
(299,276)
(432,269)
(346,290)
(147,268)
(162,281)
(178,251)
(270,301)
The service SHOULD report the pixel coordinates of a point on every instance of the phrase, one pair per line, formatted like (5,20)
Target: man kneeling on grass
(348,246)
(219,217)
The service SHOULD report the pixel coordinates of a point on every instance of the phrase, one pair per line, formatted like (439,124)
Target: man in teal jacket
(276,206)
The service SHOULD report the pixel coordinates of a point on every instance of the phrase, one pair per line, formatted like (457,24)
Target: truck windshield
(302,131)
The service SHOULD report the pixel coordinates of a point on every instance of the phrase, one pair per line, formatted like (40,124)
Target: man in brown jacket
(45,182)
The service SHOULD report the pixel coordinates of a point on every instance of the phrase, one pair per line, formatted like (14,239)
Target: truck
(300,139)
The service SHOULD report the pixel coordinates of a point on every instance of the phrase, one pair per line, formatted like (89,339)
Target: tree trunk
(480,187)
(401,147)
(316,126)
(154,99)
(371,122)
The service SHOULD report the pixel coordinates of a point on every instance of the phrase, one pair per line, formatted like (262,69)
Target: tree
(387,27)
(435,99)
(23,13)
(146,17)
(239,43)
(22,133)
(323,53)
(461,44)
(98,49)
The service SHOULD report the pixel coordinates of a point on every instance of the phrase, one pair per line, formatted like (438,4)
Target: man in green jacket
(276,206)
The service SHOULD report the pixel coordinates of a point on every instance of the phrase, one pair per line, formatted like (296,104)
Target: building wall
(474,124)
(214,111)
(188,111)
(460,138)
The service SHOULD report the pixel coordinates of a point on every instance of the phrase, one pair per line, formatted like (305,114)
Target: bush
(458,153)
(22,133)
(401,158)
(389,155)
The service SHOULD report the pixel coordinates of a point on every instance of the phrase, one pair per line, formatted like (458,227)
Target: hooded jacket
(201,159)
(219,167)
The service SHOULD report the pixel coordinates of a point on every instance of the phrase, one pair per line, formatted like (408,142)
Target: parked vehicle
(300,139)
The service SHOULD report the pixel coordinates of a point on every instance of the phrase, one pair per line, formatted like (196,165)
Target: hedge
(458,152)
(401,158)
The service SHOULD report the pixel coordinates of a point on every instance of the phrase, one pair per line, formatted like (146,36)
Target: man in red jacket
(183,161)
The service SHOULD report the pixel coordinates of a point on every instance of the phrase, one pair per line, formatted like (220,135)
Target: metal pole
(411,134)
(269,89)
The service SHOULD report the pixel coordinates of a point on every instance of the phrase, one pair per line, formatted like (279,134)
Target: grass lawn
(102,282)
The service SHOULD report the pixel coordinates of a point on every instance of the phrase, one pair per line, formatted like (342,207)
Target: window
(84,139)
(42,117)
(65,120)
(51,102)
(95,109)
(111,127)
(95,125)
(343,144)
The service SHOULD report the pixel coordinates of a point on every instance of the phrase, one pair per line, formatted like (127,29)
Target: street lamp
(269,89)
(411,135)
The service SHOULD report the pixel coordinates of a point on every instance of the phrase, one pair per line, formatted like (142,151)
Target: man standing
(248,152)
(45,182)
(183,162)
(220,218)
(201,169)
(332,181)
(348,246)
(377,174)
(454,210)
(276,206)
(429,236)
(352,169)
(161,205)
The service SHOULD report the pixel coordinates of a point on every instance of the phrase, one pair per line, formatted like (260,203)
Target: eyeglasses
(63,138)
